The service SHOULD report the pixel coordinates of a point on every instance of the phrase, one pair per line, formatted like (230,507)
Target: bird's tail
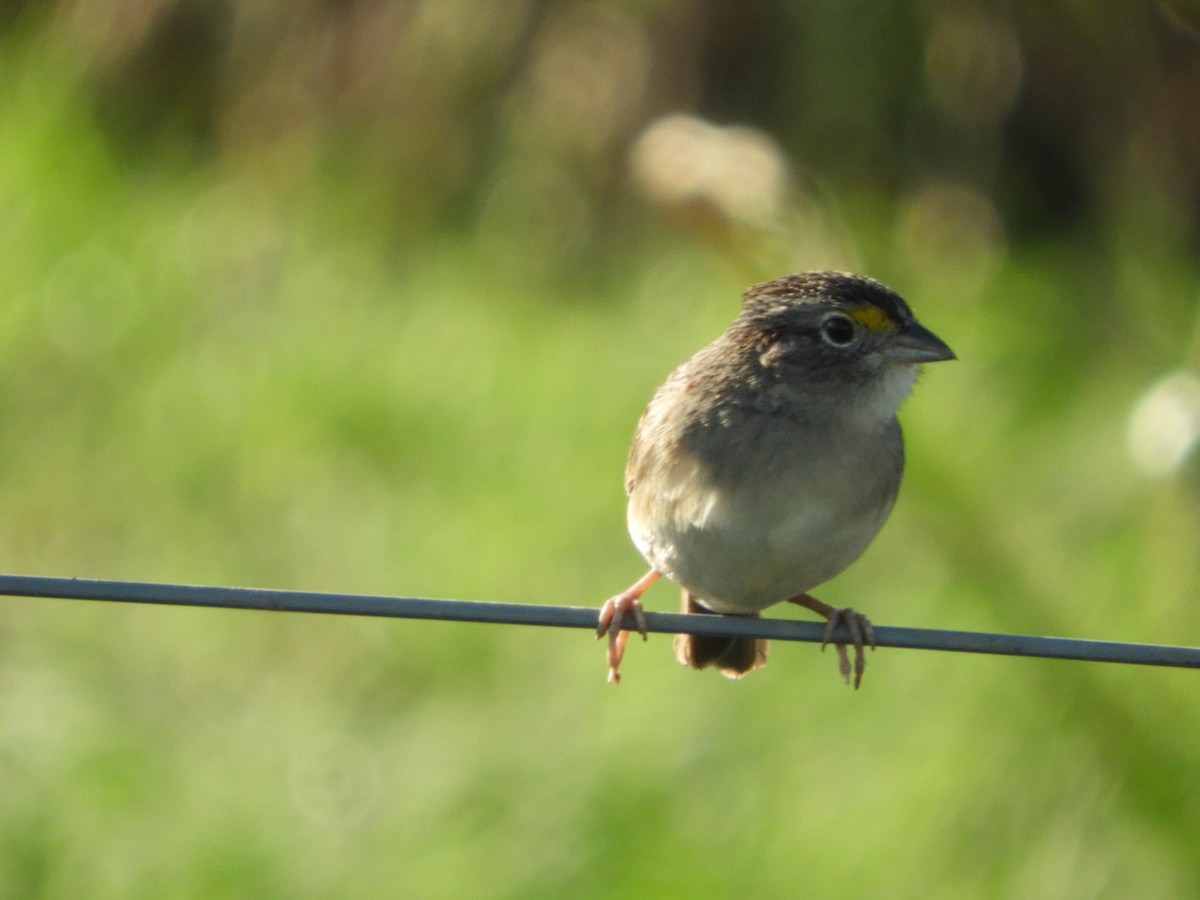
(733,656)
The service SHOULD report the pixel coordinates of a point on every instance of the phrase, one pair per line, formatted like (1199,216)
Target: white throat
(880,402)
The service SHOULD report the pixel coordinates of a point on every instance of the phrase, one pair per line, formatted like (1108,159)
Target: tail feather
(733,656)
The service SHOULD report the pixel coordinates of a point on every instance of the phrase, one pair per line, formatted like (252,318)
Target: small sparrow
(767,462)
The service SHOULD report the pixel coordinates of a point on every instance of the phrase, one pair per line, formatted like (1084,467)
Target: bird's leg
(612,621)
(859,626)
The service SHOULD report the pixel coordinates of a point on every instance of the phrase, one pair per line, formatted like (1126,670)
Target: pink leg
(612,621)
(859,626)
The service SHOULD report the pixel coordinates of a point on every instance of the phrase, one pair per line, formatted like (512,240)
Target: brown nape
(732,656)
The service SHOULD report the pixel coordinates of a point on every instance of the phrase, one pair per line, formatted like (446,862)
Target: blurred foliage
(368,295)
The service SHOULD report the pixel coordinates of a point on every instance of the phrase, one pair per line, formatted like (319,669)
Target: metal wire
(585,617)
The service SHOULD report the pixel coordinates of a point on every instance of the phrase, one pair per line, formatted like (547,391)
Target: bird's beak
(912,342)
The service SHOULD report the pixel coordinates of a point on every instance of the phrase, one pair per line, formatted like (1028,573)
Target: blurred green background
(367,296)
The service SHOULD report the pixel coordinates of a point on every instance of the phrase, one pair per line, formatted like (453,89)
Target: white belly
(783,524)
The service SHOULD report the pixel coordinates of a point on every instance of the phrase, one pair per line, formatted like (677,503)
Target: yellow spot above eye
(872,317)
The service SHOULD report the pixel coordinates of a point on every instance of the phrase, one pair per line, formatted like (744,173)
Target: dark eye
(838,330)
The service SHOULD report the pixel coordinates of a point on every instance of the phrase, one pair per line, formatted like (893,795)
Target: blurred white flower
(1165,424)
(739,171)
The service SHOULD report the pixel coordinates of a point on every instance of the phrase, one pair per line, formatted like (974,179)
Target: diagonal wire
(585,617)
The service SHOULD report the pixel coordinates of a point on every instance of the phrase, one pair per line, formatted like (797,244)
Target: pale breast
(757,510)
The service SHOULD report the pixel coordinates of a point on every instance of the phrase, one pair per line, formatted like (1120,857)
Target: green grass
(204,380)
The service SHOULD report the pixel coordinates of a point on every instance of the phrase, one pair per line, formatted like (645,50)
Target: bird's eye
(838,330)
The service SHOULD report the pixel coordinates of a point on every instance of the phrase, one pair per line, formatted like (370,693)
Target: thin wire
(585,617)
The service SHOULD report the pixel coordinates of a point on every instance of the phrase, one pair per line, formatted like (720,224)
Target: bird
(767,463)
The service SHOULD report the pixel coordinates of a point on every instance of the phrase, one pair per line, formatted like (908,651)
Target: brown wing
(633,463)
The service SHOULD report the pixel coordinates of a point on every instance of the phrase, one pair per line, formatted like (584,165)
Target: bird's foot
(861,635)
(613,620)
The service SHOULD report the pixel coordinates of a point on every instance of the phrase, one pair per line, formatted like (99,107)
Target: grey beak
(912,342)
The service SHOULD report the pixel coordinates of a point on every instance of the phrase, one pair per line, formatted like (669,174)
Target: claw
(861,635)
(616,650)
(613,621)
